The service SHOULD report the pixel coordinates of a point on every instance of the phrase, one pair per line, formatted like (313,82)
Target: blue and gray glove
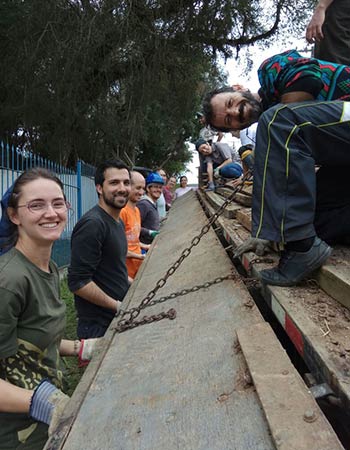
(47,404)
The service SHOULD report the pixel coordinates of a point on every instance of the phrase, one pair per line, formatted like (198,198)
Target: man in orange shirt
(130,215)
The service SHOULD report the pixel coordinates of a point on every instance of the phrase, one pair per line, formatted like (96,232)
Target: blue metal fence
(78,185)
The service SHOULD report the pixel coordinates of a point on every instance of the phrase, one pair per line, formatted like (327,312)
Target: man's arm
(314,28)
(86,253)
(210,171)
(144,232)
(223,164)
(93,294)
(135,255)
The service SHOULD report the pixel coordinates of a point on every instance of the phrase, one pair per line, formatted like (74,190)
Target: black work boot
(294,266)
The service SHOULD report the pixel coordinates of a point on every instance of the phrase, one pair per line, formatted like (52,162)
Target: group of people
(301,189)
(107,248)
(300,200)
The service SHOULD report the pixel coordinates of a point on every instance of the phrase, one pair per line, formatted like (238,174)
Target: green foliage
(92,79)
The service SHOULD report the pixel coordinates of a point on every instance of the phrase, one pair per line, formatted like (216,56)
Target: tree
(92,79)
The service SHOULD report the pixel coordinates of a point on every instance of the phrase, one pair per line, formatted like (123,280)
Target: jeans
(231,170)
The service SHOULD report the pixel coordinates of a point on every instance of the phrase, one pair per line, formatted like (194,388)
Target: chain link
(171,314)
(128,317)
(258,261)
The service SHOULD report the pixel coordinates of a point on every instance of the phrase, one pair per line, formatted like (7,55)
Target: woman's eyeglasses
(39,206)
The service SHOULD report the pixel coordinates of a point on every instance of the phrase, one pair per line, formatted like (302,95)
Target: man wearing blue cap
(150,222)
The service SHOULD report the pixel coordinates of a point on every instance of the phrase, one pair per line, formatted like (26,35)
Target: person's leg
(333,225)
(332,216)
(291,138)
(231,170)
(336,30)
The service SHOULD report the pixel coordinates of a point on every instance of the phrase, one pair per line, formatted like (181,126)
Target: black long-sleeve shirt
(98,254)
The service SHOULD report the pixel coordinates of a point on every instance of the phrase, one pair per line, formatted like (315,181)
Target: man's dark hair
(208,109)
(109,164)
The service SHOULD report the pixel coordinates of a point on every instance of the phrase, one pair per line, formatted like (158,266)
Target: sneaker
(294,266)
(211,187)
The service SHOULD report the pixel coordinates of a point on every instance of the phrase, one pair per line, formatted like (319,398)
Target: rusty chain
(258,260)
(127,318)
(171,314)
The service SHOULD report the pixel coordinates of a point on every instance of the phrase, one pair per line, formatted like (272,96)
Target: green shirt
(32,322)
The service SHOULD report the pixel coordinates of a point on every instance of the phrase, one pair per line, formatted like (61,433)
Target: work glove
(216,173)
(256,245)
(153,233)
(47,404)
(87,349)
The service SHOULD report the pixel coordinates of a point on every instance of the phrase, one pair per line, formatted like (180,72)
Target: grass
(73,372)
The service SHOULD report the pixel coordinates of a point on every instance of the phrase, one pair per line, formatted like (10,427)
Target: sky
(250,80)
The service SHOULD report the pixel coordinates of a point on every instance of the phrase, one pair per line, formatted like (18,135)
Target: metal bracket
(321,390)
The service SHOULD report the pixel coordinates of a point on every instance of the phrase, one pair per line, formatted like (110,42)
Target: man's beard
(255,110)
(110,201)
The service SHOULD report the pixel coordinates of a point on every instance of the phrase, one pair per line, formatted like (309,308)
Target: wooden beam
(334,277)
(176,384)
(244,217)
(317,325)
(295,420)
(241,198)
(216,200)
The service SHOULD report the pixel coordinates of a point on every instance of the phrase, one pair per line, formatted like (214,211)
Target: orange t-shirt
(132,222)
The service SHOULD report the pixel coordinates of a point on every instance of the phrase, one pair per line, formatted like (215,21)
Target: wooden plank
(241,198)
(334,277)
(244,217)
(295,419)
(305,312)
(216,200)
(248,188)
(177,384)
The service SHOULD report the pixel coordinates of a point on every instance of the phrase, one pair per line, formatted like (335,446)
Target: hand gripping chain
(127,318)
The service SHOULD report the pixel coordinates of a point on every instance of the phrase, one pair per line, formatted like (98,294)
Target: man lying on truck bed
(300,126)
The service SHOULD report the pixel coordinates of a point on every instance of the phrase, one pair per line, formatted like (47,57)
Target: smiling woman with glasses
(32,314)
